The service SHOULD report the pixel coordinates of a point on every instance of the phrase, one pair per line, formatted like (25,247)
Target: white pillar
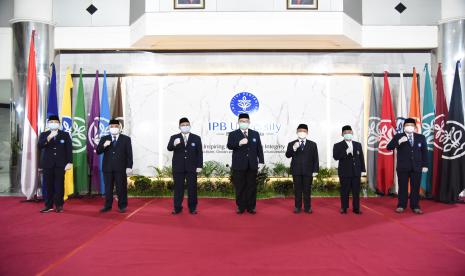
(29,15)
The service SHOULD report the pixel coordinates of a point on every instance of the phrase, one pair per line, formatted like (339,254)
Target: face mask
(185,129)
(302,135)
(114,130)
(409,129)
(243,125)
(348,136)
(53,126)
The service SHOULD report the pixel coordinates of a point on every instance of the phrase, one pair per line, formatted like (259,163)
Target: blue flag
(427,129)
(103,126)
(52,103)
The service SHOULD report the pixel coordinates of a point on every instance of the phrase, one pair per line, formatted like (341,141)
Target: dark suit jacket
(186,158)
(410,158)
(350,165)
(246,156)
(304,162)
(116,157)
(56,153)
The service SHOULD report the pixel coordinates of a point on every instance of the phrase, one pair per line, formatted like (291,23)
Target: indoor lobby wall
(323,89)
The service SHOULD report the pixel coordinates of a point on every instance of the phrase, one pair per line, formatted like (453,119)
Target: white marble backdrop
(154,105)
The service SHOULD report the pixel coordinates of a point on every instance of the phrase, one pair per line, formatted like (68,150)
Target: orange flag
(415,102)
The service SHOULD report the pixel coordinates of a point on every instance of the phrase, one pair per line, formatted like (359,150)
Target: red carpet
(148,240)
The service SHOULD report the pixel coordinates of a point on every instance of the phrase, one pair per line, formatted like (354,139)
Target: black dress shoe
(297,210)
(59,209)
(193,212)
(105,209)
(46,210)
(308,211)
(175,212)
(343,211)
(358,212)
(239,211)
(252,211)
(122,210)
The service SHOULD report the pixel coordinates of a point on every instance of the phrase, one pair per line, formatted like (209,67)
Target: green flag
(81,176)
(427,129)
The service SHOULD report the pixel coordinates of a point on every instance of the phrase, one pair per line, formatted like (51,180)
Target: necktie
(301,145)
(185,140)
(410,140)
(245,134)
(114,141)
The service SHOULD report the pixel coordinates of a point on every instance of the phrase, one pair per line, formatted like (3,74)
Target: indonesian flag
(29,157)
(415,102)
(386,130)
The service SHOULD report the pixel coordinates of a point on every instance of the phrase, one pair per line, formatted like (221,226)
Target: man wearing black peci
(351,167)
(412,160)
(56,157)
(187,163)
(247,159)
(304,166)
(117,163)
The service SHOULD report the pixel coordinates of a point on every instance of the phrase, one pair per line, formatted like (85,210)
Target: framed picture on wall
(189,4)
(302,4)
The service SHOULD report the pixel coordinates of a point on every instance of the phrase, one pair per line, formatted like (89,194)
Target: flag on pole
(427,129)
(81,169)
(401,115)
(29,155)
(103,124)
(373,137)
(93,137)
(439,127)
(415,101)
(387,130)
(52,103)
(453,156)
(67,125)
(117,111)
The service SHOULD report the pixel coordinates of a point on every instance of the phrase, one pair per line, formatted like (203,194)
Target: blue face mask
(185,129)
(348,136)
(243,126)
(54,126)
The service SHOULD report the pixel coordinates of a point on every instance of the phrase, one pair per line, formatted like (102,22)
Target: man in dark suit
(304,166)
(412,160)
(247,159)
(351,167)
(56,157)
(187,163)
(117,163)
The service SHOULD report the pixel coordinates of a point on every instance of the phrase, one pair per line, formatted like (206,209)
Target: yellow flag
(67,124)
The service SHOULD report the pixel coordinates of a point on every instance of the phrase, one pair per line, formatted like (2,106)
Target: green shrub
(280,169)
(283,187)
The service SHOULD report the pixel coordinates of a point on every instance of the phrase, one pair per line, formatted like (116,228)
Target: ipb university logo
(244,102)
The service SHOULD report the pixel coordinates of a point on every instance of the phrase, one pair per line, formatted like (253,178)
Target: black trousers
(302,190)
(403,180)
(350,184)
(179,179)
(245,186)
(55,185)
(120,181)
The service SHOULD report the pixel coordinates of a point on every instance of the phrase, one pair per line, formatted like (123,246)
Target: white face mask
(53,126)
(185,129)
(114,130)
(409,129)
(302,134)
